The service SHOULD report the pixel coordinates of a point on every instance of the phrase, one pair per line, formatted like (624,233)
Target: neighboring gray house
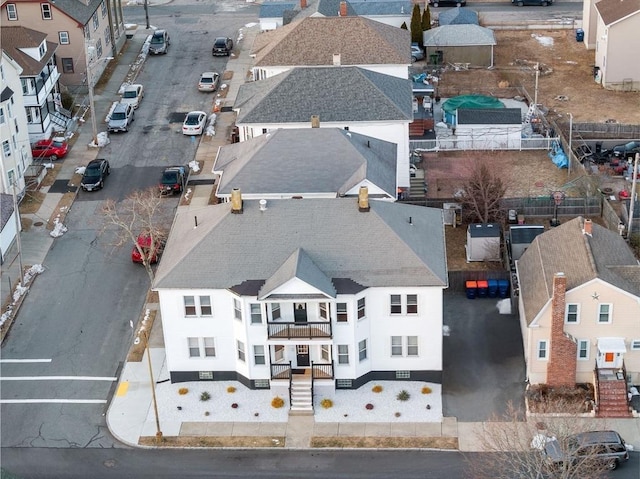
(458,16)
(307,163)
(465,44)
(366,102)
(271,14)
(345,41)
(391,12)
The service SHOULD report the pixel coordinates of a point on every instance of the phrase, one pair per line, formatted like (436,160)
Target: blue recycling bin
(503,288)
(471,288)
(493,288)
(483,289)
(579,35)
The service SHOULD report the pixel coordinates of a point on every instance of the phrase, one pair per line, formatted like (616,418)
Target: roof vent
(336,59)
(587,227)
(263,205)
(236,201)
(315,121)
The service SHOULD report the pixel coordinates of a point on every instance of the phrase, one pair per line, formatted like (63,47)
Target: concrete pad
(450,427)
(326,429)
(382,429)
(222,429)
(193,429)
(245,429)
(404,429)
(429,429)
(352,429)
(468,436)
(299,431)
(273,428)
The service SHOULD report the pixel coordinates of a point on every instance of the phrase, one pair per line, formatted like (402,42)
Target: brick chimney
(303,4)
(343,9)
(587,227)
(363,199)
(236,201)
(561,368)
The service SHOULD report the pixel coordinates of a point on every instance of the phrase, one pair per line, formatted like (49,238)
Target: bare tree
(514,447)
(139,217)
(482,192)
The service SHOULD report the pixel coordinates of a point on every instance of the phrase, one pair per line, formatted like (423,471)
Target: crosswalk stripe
(25,360)
(53,401)
(56,378)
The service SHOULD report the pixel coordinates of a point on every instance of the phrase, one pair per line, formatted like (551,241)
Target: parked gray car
(159,43)
(121,117)
(604,449)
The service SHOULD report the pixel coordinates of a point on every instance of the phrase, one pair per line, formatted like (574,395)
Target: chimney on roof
(561,368)
(363,199)
(236,201)
(336,59)
(303,4)
(315,121)
(343,9)
(263,205)
(587,227)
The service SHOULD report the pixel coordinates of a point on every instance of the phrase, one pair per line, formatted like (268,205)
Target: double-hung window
(12,12)
(237,309)
(362,350)
(2,120)
(396,346)
(324,310)
(583,349)
(361,308)
(397,306)
(258,354)
(201,347)
(241,351)
(404,346)
(343,354)
(45,8)
(341,312)
(63,38)
(256,313)
(6,148)
(604,313)
(275,311)
(572,313)
(197,306)
(542,349)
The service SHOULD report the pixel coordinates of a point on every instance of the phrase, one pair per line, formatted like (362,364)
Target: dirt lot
(565,84)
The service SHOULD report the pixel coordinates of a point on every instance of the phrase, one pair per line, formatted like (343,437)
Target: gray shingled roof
(612,11)
(580,257)
(313,41)
(6,209)
(336,94)
(382,7)
(275,9)
(491,116)
(327,8)
(458,16)
(78,10)
(15,38)
(300,266)
(307,160)
(393,244)
(458,35)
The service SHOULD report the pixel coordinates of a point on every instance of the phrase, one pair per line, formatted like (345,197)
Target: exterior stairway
(301,397)
(613,401)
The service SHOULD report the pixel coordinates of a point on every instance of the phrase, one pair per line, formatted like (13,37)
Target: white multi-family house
(341,291)
(333,41)
(77,26)
(39,80)
(362,101)
(307,163)
(579,309)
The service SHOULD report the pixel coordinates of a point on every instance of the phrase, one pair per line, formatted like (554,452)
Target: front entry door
(302,351)
(300,312)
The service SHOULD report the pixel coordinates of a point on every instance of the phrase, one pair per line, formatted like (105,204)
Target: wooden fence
(540,206)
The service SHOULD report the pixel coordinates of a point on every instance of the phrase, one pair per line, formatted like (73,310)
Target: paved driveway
(483,359)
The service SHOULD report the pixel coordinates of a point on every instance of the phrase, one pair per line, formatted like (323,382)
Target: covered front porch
(610,379)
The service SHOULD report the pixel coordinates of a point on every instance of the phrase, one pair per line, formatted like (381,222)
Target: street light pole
(570,139)
(634,179)
(146,12)
(146,334)
(92,106)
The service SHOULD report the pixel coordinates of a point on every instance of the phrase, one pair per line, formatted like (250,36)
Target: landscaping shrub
(369,406)
(403,395)
(234,405)
(205,396)
(183,391)
(231,389)
(277,402)
(377,388)
(326,403)
(426,390)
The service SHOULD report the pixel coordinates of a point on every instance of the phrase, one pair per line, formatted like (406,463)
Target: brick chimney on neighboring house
(303,4)
(561,368)
(343,9)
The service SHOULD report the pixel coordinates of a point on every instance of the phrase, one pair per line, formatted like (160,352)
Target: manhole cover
(38,223)
(147,128)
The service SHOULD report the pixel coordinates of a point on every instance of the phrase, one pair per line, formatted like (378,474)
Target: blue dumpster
(471,289)
(483,289)
(493,288)
(579,35)
(503,288)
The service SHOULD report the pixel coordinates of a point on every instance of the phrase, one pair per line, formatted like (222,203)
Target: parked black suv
(173,180)
(222,46)
(604,449)
(94,174)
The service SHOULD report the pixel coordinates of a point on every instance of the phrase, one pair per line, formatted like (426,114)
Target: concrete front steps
(301,398)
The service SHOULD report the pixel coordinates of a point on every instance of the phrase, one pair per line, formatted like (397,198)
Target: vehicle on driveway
(133,95)
(521,3)
(94,174)
(173,180)
(209,81)
(121,117)
(159,43)
(194,123)
(222,46)
(50,149)
(597,449)
(416,53)
(143,242)
(626,150)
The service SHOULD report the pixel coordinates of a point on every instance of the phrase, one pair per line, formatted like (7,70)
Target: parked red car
(144,241)
(51,149)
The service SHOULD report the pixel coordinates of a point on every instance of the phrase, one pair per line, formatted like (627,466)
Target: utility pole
(16,212)
(570,139)
(535,91)
(634,179)
(146,13)
(147,333)
(92,105)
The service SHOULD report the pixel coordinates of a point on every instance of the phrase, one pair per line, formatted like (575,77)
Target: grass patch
(386,442)
(233,441)
(52,174)
(137,350)
(31,202)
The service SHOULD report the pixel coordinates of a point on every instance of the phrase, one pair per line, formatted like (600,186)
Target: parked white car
(133,95)
(194,123)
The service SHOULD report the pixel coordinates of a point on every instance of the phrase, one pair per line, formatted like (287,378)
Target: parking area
(483,360)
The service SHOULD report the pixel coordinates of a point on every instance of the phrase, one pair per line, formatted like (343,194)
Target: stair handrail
(596,385)
(290,383)
(313,377)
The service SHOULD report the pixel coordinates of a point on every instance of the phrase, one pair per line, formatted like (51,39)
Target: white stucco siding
(487,137)
(621,39)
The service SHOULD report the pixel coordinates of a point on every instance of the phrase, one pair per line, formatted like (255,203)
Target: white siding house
(259,291)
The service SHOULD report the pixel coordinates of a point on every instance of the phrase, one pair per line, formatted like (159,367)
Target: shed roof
(496,116)
(484,230)
(458,35)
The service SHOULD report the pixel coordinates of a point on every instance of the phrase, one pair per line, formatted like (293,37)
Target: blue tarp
(558,156)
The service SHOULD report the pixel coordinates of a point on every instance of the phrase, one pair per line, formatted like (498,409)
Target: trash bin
(579,35)
(503,288)
(493,288)
(483,289)
(471,289)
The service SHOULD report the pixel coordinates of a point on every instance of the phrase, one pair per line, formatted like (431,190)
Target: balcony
(300,330)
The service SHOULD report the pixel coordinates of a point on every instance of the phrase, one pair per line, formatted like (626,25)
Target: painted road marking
(53,401)
(57,378)
(123,387)
(25,360)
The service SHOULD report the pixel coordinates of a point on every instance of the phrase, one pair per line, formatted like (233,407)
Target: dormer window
(42,49)
(46,11)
